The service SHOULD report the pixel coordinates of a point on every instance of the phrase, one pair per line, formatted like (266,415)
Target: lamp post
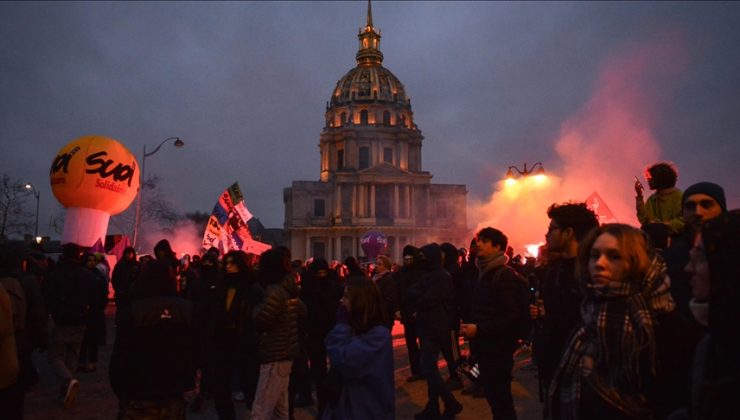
(537,169)
(178,143)
(36,193)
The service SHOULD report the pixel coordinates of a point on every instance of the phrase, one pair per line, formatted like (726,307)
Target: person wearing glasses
(556,311)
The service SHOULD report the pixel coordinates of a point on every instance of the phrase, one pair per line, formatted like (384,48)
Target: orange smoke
(607,142)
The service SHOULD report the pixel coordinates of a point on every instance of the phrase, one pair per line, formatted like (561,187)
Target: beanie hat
(709,188)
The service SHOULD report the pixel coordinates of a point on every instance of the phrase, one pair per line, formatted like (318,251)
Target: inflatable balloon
(94,177)
(373,243)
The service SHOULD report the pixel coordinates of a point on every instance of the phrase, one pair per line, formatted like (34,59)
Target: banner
(597,204)
(227,227)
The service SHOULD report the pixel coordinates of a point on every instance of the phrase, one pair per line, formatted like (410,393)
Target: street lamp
(537,169)
(36,193)
(178,143)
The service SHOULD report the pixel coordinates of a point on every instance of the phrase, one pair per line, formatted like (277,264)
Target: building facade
(371,175)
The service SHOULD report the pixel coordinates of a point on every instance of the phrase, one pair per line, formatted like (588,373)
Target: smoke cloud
(601,148)
(184,238)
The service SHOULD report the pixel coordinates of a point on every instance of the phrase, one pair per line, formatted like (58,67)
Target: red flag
(598,205)
(119,248)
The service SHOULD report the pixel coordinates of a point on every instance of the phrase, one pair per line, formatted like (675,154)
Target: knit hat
(709,188)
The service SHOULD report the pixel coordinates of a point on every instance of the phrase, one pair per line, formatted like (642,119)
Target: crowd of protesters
(624,322)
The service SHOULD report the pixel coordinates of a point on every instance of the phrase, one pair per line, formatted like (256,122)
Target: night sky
(245,86)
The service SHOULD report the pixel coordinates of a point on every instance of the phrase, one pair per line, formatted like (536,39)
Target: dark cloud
(245,85)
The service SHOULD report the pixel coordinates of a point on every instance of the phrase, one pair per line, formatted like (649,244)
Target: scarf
(490,263)
(618,323)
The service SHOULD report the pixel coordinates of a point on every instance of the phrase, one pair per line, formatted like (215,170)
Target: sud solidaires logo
(96,164)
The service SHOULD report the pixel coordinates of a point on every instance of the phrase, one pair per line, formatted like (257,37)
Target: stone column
(363,199)
(329,248)
(353,252)
(354,201)
(308,246)
(396,203)
(338,200)
(372,200)
(408,202)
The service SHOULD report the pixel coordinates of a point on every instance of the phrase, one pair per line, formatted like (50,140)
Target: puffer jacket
(276,321)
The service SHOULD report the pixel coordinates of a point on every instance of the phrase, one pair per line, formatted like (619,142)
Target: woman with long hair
(360,350)
(631,352)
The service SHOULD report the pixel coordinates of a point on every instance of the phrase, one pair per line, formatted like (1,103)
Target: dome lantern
(369,53)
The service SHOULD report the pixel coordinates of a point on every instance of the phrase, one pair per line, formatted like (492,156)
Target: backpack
(17,301)
(523,324)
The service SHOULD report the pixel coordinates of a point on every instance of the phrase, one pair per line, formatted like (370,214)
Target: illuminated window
(364,157)
(319,207)
(363,117)
(388,155)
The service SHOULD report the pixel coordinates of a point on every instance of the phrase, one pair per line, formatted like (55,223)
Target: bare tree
(14,214)
(156,210)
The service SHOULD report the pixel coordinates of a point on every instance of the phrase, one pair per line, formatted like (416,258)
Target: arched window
(386,118)
(363,117)
(343,119)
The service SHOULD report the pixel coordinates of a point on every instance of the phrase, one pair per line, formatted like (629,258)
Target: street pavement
(96,400)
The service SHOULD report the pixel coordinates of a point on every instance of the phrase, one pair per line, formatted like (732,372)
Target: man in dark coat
(70,295)
(153,359)
(124,276)
(701,202)
(558,310)
(405,278)
(499,310)
(320,291)
(429,303)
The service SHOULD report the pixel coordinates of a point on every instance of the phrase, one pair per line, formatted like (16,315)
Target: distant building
(371,173)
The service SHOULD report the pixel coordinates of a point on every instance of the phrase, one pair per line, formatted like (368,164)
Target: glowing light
(540,178)
(510,182)
(533,250)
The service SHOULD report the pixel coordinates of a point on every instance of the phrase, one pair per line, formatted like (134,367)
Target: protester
(70,295)
(95,331)
(233,346)
(361,354)
(12,324)
(427,299)
(557,311)
(714,269)
(627,357)
(153,359)
(701,202)
(499,313)
(663,206)
(276,323)
(383,278)
(320,291)
(405,278)
(451,349)
(124,276)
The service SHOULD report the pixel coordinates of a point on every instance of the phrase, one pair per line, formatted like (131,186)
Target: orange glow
(540,179)
(510,182)
(533,250)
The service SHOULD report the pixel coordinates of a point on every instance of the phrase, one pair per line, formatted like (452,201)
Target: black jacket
(70,294)
(497,310)
(321,296)
(276,321)
(154,353)
(429,298)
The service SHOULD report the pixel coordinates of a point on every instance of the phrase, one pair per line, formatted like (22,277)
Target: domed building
(371,173)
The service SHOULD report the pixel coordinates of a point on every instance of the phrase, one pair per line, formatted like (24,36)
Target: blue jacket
(365,363)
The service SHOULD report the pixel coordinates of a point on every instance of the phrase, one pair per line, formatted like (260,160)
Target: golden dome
(368,84)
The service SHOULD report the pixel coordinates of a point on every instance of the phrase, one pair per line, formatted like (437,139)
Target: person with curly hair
(663,206)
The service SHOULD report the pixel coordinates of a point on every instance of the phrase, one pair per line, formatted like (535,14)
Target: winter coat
(387,284)
(496,310)
(321,297)
(405,278)
(276,321)
(8,357)
(429,298)
(70,294)
(365,364)
(154,353)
